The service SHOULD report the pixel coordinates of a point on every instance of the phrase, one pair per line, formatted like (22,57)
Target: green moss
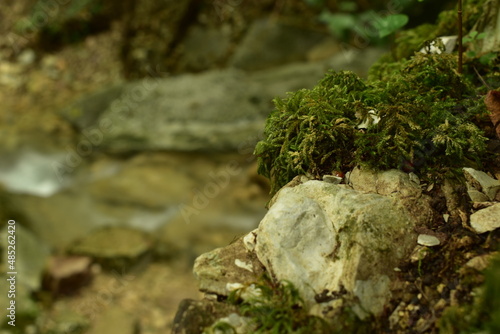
(412,40)
(278,308)
(424,107)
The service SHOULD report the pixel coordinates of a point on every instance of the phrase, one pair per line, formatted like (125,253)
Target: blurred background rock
(126,140)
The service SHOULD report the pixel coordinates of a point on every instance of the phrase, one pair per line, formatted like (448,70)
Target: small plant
(472,38)
(278,308)
(348,19)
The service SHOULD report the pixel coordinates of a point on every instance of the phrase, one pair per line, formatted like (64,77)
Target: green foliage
(279,308)
(347,19)
(483,315)
(424,108)
(410,41)
(470,40)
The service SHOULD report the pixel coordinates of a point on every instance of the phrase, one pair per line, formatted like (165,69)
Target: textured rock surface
(486,220)
(480,181)
(323,236)
(228,265)
(216,110)
(385,183)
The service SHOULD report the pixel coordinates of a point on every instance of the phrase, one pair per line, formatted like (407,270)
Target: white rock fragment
(250,240)
(234,286)
(332,179)
(372,118)
(446,217)
(478,179)
(449,43)
(428,240)
(486,220)
(243,265)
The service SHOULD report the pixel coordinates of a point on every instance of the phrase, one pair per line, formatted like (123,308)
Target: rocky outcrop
(332,242)
(329,239)
(341,245)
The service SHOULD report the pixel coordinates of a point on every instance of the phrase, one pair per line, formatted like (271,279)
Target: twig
(460,46)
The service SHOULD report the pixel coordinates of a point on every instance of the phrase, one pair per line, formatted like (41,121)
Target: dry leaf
(492,101)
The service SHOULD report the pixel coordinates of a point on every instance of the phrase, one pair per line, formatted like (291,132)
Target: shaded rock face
(322,236)
(221,268)
(215,111)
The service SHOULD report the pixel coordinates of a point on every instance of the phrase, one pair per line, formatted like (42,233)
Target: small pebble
(428,240)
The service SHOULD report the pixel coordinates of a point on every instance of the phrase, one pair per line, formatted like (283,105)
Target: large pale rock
(486,220)
(322,236)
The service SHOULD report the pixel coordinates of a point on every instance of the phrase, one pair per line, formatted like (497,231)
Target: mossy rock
(424,110)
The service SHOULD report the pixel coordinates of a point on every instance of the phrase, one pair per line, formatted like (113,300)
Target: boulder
(326,237)
(215,111)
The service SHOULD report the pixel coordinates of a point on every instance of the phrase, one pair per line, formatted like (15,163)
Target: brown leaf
(492,101)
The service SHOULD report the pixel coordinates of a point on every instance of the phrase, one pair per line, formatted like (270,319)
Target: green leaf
(486,59)
(389,24)
(338,23)
(481,35)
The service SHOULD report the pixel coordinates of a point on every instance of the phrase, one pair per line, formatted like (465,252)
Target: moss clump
(277,308)
(424,111)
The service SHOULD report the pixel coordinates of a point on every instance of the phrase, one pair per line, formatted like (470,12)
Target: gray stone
(218,269)
(427,240)
(214,111)
(391,182)
(114,247)
(270,42)
(486,220)
(480,181)
(323,236)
